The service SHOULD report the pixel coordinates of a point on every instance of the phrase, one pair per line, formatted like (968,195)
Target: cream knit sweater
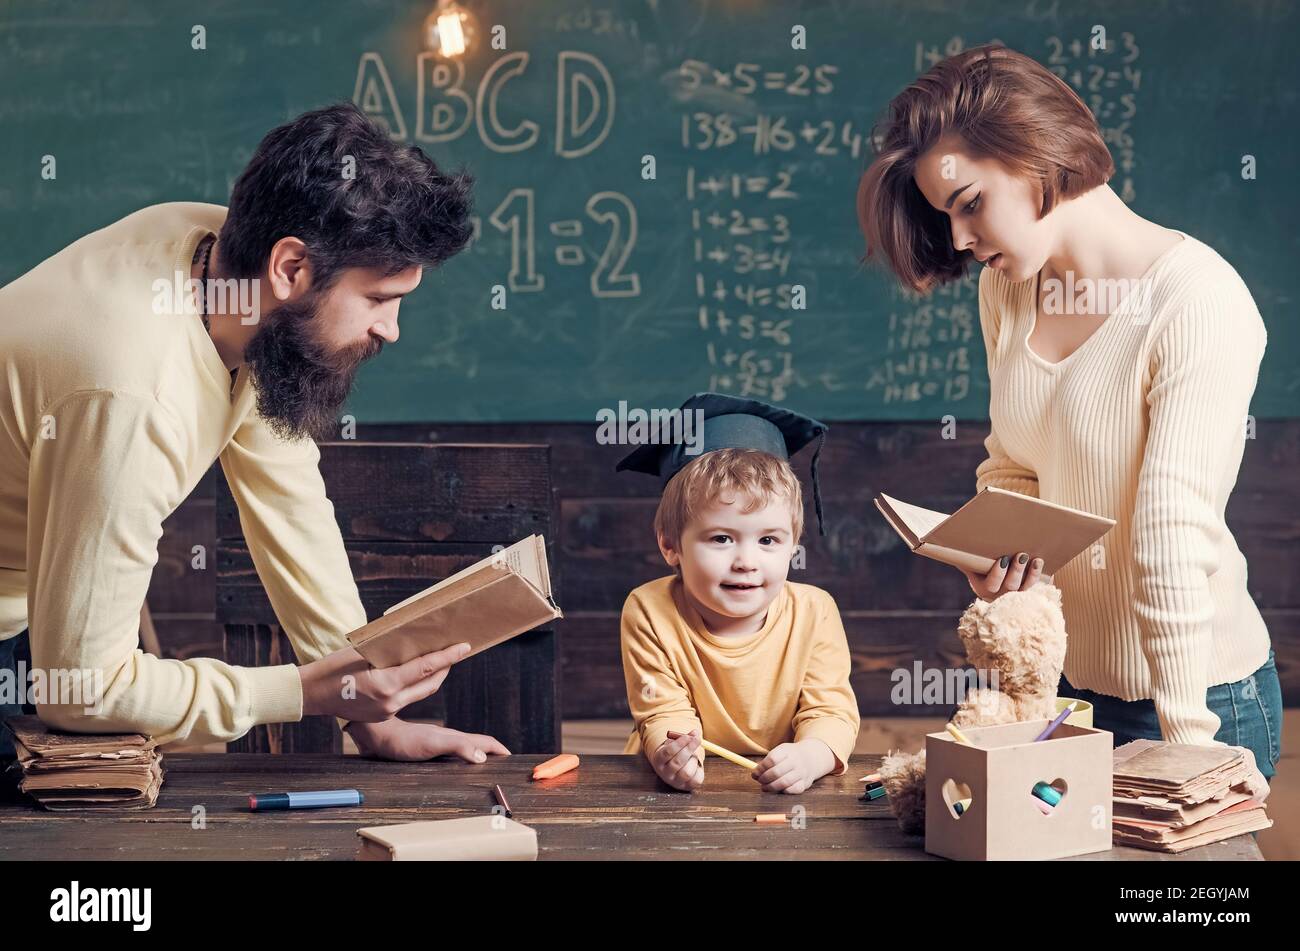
(113,408)
(1145,422)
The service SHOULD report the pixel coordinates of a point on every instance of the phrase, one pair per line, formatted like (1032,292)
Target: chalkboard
(622,287)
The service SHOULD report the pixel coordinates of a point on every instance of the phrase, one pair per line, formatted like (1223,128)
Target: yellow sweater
(112,413)
(787,682)
(1145,423)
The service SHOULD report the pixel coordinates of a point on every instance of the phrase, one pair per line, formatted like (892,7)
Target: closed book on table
(473,838)
(491,601)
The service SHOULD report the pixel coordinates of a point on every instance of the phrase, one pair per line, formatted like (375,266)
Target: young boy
(726,648)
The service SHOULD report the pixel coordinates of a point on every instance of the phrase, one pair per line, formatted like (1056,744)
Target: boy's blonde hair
(756,476)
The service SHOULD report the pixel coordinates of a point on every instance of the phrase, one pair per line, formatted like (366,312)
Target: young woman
(1122,357)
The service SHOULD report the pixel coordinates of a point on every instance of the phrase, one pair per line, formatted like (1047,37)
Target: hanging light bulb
(450,29)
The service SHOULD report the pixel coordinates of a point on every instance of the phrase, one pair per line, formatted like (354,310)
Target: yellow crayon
(957,734)
(736,758)
(717,750)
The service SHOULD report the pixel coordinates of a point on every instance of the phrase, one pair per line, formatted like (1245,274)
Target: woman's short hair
(1005,106)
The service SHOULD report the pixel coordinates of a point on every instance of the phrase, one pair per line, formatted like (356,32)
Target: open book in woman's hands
(995,523)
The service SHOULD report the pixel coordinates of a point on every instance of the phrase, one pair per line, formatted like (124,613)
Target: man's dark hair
(396,211)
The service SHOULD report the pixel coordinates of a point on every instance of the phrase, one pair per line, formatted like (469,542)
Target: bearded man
(187,333)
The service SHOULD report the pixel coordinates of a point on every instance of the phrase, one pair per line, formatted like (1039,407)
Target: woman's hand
(1011,573)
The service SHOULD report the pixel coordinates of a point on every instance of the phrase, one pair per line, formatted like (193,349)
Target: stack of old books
(85,772)
(1170,797)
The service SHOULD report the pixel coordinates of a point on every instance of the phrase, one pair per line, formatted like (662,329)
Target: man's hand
(793,767)
(343,684)
(395,739)
(676,764)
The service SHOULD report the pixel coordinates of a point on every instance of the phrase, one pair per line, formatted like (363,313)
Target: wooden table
(611,807)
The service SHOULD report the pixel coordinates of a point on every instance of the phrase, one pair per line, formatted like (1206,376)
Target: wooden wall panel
(896,608)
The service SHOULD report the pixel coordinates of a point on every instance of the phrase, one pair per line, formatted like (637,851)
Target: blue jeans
(12,650)
(1249,712)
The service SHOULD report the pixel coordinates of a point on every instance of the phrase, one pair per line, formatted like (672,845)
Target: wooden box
(998,772)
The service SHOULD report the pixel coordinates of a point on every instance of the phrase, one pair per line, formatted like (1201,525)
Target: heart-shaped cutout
(1047,797)
(957,797)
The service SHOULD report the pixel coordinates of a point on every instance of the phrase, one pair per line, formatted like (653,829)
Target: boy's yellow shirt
(787,682)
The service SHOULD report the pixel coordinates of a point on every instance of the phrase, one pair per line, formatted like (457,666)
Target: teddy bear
(1019,641)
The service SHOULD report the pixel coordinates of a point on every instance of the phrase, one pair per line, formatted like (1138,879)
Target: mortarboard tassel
(817,490)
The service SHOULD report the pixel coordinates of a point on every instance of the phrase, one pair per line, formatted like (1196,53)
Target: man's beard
(301,383)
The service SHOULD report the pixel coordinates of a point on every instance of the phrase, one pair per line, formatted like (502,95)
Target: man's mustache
(352,356)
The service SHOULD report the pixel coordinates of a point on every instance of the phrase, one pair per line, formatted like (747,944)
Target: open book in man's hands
(995,523)
(491,601)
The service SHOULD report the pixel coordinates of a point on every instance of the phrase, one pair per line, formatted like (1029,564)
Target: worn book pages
(85,771)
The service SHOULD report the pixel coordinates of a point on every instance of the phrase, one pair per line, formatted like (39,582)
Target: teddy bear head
(1021,635)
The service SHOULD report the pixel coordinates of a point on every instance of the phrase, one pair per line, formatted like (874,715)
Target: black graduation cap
(734,423)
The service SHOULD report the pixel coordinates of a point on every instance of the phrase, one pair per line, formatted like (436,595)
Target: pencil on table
(501,800)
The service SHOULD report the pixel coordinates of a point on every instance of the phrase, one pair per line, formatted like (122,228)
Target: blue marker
(1049,794)
(306,800)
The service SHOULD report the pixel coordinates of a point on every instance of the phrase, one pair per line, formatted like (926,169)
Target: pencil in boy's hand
(726,754)
(717,750)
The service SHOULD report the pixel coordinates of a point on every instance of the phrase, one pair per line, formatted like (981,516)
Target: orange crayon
(556,766)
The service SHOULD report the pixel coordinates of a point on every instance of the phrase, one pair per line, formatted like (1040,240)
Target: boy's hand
(395,739)
(675,762)
(793,767)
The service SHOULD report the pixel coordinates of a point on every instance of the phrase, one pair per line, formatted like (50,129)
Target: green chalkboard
(622,287)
